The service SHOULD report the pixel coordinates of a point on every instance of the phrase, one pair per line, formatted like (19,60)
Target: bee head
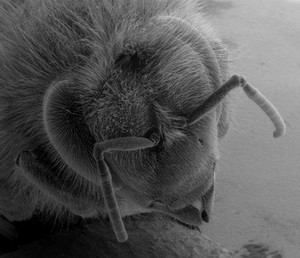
(146,129)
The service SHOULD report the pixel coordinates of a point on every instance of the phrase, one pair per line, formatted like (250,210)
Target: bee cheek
(64,188)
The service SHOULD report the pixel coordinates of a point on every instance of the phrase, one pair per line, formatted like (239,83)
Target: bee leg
(8,236)
(207,202)
(64,186)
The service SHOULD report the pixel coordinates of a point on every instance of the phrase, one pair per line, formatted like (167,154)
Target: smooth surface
(257,208)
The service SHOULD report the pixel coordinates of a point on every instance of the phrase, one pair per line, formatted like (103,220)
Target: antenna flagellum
(215,98)
(266,106)
(120,144)
(111,201)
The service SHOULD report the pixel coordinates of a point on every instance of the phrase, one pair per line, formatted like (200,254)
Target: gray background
(258,181)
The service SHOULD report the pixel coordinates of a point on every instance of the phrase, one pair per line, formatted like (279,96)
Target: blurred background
(257,207)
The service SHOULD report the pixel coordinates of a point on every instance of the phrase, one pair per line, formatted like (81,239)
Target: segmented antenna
(121,144)
(266,106)
(215,98)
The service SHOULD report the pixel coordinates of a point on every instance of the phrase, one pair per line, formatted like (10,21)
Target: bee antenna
(125,144)
(266,106)
(215,98)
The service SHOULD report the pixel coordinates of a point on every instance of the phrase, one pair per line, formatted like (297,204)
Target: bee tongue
(189,215)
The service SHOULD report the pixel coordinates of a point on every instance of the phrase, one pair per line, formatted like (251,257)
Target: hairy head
(122,98)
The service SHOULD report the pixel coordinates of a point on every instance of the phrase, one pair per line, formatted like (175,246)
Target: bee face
(116,112)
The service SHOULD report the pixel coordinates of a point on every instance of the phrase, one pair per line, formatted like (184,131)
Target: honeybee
(112,108)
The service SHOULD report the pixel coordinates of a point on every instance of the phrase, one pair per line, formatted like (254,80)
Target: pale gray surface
(258,193)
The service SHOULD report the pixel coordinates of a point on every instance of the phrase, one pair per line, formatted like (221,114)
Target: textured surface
(148,237)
